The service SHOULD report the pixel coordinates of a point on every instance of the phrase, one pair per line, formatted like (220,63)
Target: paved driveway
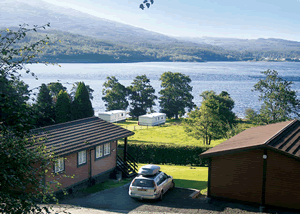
(175,201)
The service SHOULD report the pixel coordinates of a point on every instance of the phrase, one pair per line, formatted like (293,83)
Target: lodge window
(107,149)
(59,165)
(81,157)
(99,151)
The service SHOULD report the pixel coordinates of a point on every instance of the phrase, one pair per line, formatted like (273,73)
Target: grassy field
(186,176)
(170,133)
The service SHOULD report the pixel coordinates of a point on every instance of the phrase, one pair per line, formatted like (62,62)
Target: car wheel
(161,196)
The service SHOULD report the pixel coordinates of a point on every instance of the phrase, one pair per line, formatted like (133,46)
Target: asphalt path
(177,200)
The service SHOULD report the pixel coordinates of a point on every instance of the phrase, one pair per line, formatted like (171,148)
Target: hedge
(166,154)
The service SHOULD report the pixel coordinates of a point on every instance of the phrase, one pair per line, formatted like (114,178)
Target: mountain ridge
(132,44)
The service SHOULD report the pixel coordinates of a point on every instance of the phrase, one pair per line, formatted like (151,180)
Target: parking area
(175,201)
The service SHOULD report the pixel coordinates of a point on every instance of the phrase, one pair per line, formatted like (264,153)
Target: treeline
(175,97)
(214,118)
(67,47)
(55,105)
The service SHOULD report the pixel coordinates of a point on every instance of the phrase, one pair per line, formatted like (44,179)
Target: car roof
(150,177)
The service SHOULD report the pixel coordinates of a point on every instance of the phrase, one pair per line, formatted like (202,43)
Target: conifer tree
(81,106)
(44,107)
(63,107)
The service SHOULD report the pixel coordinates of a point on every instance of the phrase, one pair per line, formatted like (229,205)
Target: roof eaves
(232,151)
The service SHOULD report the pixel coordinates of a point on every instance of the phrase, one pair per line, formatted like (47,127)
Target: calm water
(237,78)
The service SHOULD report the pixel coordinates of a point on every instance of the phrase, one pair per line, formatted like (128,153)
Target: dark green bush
(167,154)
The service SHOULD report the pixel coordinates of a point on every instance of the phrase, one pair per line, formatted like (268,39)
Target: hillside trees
(62,107)
(280,102)
(141,96)
(81,106)
(114,94)
(212,119)
(176,94)
(17,172)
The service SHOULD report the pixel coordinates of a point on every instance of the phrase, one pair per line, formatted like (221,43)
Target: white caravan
(113,115)
(153,119)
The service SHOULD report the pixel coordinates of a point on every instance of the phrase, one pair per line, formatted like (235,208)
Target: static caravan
(153,119)
(113,116)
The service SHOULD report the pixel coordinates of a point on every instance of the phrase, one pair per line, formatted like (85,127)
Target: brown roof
(70,137)
(283,137)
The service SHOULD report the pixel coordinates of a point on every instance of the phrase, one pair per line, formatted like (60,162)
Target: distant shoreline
(97,62)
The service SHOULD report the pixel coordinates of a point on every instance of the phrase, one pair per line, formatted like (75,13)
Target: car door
(166,182)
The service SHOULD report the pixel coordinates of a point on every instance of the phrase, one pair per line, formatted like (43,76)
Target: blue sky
(197,18)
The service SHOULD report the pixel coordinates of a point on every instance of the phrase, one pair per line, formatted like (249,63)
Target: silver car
(151,183)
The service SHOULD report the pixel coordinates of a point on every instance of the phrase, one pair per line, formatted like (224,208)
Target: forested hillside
(69,47)
(86,38)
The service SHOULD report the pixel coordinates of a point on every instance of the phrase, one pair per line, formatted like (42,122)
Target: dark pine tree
(81,106)
(63,107)
(44,107)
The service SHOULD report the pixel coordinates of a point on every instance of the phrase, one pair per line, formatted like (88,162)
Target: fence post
(134,128)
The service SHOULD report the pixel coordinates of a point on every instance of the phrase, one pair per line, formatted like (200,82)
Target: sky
(198,18)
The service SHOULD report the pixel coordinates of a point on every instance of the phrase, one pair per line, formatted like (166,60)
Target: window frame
(56,165)
(104,149)
(99,146)
(78,156)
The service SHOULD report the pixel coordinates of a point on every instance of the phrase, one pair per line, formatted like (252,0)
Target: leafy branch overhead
(146,3)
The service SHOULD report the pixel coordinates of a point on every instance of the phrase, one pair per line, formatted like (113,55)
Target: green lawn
(186,176)
(171,132)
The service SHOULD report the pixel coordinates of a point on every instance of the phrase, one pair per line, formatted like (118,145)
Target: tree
(280,102)
(213,119)
(20,180)
(81,106)
(44,107)
(114,94)
(63,107)
(74,89)
(141,95)
(176,94)
(55,88)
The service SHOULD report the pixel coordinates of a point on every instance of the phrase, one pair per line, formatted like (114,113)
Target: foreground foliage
(24,161)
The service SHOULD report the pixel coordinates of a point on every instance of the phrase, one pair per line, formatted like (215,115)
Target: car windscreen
(143,183)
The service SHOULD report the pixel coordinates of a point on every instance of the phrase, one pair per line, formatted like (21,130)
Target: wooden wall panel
(238,176)
(282,181)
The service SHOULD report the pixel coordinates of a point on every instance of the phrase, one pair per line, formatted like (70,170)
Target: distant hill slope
(87,38)
(37,12)
(260,44)
(78,48)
